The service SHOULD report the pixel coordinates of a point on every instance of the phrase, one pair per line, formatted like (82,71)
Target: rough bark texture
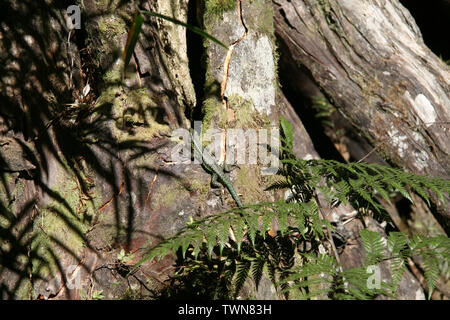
(85,182)
(369,59)
(93,183)
(81,184)
(37,72)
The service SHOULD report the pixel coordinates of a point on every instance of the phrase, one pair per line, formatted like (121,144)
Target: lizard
(203,156)
(209,164)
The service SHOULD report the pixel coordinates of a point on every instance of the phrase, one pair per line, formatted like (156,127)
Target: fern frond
(431,268)
(398,247)
(280,184)
(432,251)
(374,245)
(355,181)
(257,270)
(242,271)
(301,226)
(357,287)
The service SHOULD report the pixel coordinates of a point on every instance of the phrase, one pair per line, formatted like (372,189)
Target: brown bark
(369,59)
(110,181)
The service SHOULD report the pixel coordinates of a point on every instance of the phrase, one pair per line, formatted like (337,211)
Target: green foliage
(398,249)
(97,295)
(213,264)
(219,6)
(324,110)
(357,183)
(373,244)
(251,221)
(132,38)
(322,273)
(432,251)
(123,257)
(354,182)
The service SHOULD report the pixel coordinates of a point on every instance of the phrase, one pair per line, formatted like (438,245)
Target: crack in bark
(229,55)
(362,36)
(223,85)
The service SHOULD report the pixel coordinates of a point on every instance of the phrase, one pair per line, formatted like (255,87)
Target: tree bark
(98,179)
(369,59)
(103,169)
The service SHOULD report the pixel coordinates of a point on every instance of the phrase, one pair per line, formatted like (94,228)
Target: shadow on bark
(43,140)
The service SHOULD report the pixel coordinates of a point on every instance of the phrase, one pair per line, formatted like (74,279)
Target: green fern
(432,251)
(324,110)
(242,271)
(398,248)
(319,273)
(374,244)
(219,267)
(257,269)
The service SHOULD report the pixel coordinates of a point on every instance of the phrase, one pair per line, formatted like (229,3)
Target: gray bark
(99,180)
(369,59)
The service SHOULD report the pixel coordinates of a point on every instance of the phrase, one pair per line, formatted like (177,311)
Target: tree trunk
(101,169)
(369,59)
(85,188)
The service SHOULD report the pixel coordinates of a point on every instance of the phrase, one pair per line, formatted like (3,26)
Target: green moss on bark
(215,8)
(133,112)
(214,115)
(246,115)
(248,183)
(61,225)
